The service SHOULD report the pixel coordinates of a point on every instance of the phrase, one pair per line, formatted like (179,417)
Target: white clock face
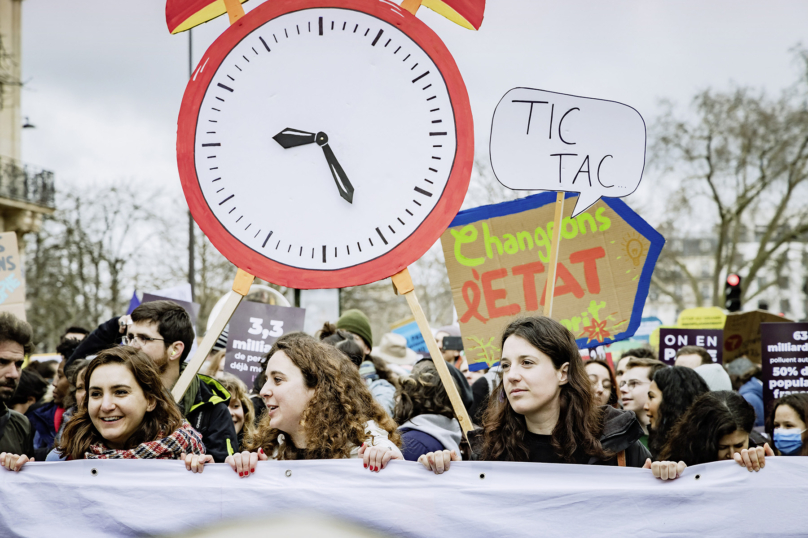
(384,109)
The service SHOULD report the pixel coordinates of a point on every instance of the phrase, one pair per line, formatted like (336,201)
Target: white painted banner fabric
(92,498)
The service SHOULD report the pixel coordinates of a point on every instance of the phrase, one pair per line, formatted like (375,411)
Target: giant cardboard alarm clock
(325,143)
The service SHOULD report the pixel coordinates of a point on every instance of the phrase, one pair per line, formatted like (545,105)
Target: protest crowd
(333,395)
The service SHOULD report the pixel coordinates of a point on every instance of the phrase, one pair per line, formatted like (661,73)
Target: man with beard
(163,331)
(16,434)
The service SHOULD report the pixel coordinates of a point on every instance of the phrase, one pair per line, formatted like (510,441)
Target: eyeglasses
(131,340)
(633,384)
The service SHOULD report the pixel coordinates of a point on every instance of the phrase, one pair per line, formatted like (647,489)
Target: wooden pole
(411,5)
(241,287)
(234,10)
(404,286)
(551,271)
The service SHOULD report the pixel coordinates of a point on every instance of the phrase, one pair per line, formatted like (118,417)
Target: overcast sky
(104,80)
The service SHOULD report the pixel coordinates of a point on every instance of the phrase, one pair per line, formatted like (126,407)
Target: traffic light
(732,293)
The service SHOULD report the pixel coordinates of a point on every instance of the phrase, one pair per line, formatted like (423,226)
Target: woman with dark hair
(544,410)
(423,408)
(787,425)
(126,414)
(671,393)
(318,407)
(715,427)
(604,383)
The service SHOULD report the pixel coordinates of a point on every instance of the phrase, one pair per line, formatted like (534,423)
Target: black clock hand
(289,138)
(346,190)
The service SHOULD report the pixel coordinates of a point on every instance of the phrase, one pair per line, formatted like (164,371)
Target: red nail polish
(241,474)
(252,470)
(366,466)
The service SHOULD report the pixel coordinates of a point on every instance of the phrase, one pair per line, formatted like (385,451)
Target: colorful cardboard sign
(497,259)
(784,355)
(742,334)
(703,317)
(671,340)
(558,142)
(12,285)
(253,329)
(415,340)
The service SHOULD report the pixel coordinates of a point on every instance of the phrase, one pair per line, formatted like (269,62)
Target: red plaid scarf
(185,439)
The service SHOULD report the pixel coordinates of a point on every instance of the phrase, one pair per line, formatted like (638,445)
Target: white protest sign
(543,140)
(12,286)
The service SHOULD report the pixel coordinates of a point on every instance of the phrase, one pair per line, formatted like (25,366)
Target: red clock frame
(407,252)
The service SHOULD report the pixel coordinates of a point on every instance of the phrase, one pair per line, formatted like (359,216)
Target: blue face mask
(788,441)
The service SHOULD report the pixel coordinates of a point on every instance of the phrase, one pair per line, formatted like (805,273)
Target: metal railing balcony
(26,183)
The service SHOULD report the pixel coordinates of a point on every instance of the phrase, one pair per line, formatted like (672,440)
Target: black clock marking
(416,79)
(437,134)
(231,78)
(437,145)
(256,234)
(211,156)
(431,97)
(321,26)
(231,210)
(225,87)
(428,181)
(366,32)
(433,170)
(217,179)
(216,109)
(220,99)
(398,49)
(301,251)
(417,203)
(226,199)
(245,58)
(255,51)
(289,249)
(437,121)
(211,144)
(309,26)
(220,190)
(312,253)
(287,33)
(405,59)
(250,224)
(289,138)
(323,253)
(388,42)
(279,244)
(355,28)
(376,40)
(275,38)
(214,168)
(359,246)
(211,132)
(436,158)
(409,212)
(413,68)
(391,229)
(370,240)
(298,33)
(265,45)
(267,239)
(239,219)
(344,24)
(435,109)
(335,252)
(401,221)
(427,87)
(378,231)
(422,191)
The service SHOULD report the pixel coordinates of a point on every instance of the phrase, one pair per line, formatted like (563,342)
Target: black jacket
(621,431)
(205,406)
(16,433)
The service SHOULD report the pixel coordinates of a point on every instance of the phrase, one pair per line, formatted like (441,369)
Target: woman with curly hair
(544,410)
(788,423)
(428,422)
(126,414)
(604,382)
(715,427)
(318,407)
(670,394)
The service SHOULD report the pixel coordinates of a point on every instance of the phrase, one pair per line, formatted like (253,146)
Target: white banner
(131,498)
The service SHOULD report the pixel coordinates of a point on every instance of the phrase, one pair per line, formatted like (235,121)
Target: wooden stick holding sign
(404,286)
(554,247)
(241,287)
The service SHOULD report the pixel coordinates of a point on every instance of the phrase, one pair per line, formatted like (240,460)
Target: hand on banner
(196,463)
(376,457)
(438,461)
(13,462)
(244,463)
(123,323)
(665,470)
(754,459)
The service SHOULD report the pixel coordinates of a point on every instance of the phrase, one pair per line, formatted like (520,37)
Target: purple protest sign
(253,329)
(784,359)
(671,340)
